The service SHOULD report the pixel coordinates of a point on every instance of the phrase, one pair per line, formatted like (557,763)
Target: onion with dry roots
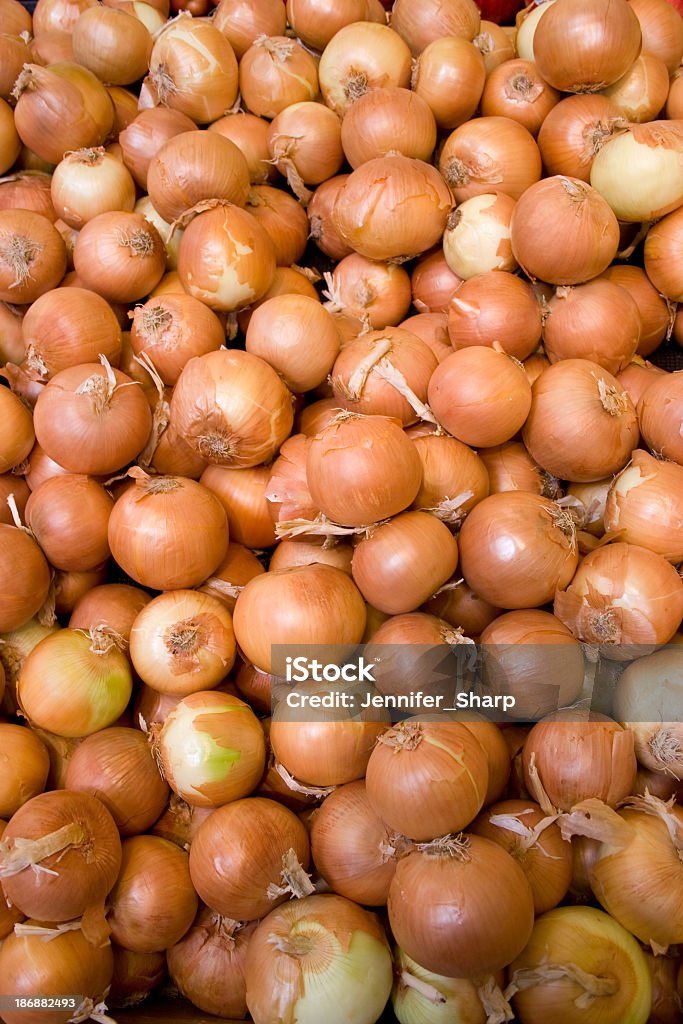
(371,293)
(120,256)
(580,964)
(171,330)
(624,598)
(32,256)
(574,132)
(461,906)
(211,749)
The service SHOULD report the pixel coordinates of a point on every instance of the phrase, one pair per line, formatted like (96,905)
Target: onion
(297,337)
(582,426)
(643,506)
(58,832)
(193,166)
(238,567)
(494,902)
(495,44)
(231,408)
(423,997)
(32,256)
(376,455)
(125,111)
(153,903)
(17,486)
(477,236)
(658,414)
(112,44)
(171,330)
(74,683)
(489,151)
(117,767)
(70,586)
(662,256)
(183,641)
(16,645)
(313,418)
(585,231)
(432,328)
(180,822)
(574,132)
(624,598)
(274,73)
(515,89)
(599,321)
(207,965)
(19,437)
(254,687)
(135,976)
(52,47)
(646,695)
(511,468)
(400,564)
(61,107)
(211,749)
(376,294)
(25,767)
(454,479)
(305,145)
(120,256)
(662,31)
(226,258)
(28,190)
(564,964)
(642,92)
(24,578)
(241,492)
(114,605)
(144,136)
(68,515)
(322,229)
(532,656)
(10,144)
(583,47)
(480,396)
(64,328)
(190,544)
(222,859)
(283,220)
(624,168)
(449,76)
(432,20)
(288,495)
(92,419)
(242,23)
(12,349)
(433,283)
(193,69)
(361,57)
(42,960)
(386,119)
(654,313)
(341,957)
(425,779)
(460,607)
(494,309)
(308,604)
(536,843)
(15,18)
(392,207)
(516,548)
(385,373)
(250,134)
(588,505)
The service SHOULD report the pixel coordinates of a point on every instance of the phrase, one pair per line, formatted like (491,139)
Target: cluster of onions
(441,440)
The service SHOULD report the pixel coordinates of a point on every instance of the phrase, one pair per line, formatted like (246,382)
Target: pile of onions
(599,321)
(58,832)
(183,641)
(211,749)
(624,598)
(496,309)
(339,952)
(116,766)
(153,902)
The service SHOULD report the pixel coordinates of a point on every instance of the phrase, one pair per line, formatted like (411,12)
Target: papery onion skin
(115,605)
(33,969)
(144,136)
(477,236)
(153,903)
(582,939)
(116,765)
(599,321)
(242,493)
(623,598)
(662,256)
(585,231)
(574,132)
(276,72)
(573,404)
(242,23)
(493,919)
(211,749)
(281,330)
(194,70)
(508,566)
(76,881)
(388,119)
(32,256)
(354,981)
(65,328)
(421,26)
(654,312)
(579,755)
(449,75)
(238,855)
(662,31)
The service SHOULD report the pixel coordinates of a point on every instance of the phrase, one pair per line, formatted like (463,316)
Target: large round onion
(421,25)
(643,505)
(490,151)
(193,166)
(598,321)
(496,309)
(626,166)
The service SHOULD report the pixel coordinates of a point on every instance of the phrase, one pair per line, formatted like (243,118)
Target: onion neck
(593,986)
(404,736)
(29,853)
(432,994)
(613,401)
(355,84)
(295,880)
(666,751)
(18,252)
(455,847)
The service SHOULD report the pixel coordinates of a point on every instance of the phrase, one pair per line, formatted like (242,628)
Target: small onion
(511,468)
(360,57)
(432,328)
(17,486)
(477,236)
(58,832)
(599,321)
(120,256)
(287,494)
(274,73)
(585,231)
(305,604)
(193,69)
(516,548)
(495,43)
(421,26)
(625,167)
(171,330)
(242,23)
(237,568)
(211,749)
(459,606)
(28,190)
(14,53)
(480,395)
(116,766)
(24,578)
(19,436)
(581,426)
(624,598)
(648,693)
(486,151)
(153,903)
(64,328)
(71,586)
(387,119)
(392,206)
(305,144)
(146,134)
(182,641)
(449,75)
(135,976)
(69,515)
(32,256)
(515,89)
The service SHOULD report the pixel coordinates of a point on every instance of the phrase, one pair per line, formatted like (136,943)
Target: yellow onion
(193,69)
(171,330)
(250,134)
(146,134)
(32,256)
(305,144)
(112,44)
(646,701)
(193,166)
(297,337)
(69,515)
(642,506)
(66,327)
(274,73)
(477,236)
(242,23)
(377,294)
(626,166)
(575,131)
(387,119)
(496,44)
(421,26)
(641,93)
(653,309)
(490,151)
(25,767)
(358,58)
(449,75)
(598,320)
(242,493)
(120,256)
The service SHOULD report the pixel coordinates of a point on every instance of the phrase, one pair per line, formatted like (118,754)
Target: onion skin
(493,920)
(25,766)
(642,506)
